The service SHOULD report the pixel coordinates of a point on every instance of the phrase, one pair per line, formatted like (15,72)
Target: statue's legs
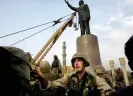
(87,27)
(82,27)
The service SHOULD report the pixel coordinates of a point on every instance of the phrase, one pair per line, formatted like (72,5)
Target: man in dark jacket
(84,16)
(128,91)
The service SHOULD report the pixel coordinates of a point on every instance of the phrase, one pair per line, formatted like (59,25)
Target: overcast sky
(111,21)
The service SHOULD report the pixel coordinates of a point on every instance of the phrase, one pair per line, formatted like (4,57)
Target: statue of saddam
(84,16)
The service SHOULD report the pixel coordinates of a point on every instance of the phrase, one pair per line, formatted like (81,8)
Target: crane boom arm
(56,35)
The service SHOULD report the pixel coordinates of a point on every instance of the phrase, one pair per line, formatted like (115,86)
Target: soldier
(84,16)
(119,79)
(45,69)
(80,83)
(100,71)
(15,79)
(56,66)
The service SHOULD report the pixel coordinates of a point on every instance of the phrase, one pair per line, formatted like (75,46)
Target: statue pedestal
(88,45)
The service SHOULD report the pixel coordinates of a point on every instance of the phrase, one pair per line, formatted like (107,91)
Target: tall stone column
(88,45)
(64,58)
(111,63)
(122,62)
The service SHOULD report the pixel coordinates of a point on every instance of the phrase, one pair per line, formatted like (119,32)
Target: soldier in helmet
(45,69)
(80,83)
(15,79)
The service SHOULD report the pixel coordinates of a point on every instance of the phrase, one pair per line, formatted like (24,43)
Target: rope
(55,22)
(30,36)
(35,34)
(24,30)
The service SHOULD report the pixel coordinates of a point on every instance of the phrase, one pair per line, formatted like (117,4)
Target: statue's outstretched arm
(70,6)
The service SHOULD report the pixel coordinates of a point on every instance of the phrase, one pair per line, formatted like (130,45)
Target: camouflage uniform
(72,82)
(46,72)
(101,84)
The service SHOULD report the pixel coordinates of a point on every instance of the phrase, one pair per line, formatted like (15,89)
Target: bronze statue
(84,16)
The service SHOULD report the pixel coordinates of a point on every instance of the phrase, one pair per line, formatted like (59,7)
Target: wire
(24,30)
(66,15)
(30,36)
(55,22)
(34,34)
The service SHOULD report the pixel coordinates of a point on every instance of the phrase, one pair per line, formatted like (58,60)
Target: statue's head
(81,2)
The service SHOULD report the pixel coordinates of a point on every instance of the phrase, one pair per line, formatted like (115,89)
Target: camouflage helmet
(17,52)
(99,69)
(18,61)
(80,56)
(44,66)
